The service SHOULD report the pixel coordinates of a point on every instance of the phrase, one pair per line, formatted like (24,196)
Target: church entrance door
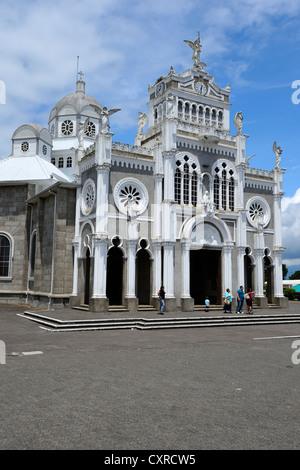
(114,283)
(143,277)
(205,276)
(87,278)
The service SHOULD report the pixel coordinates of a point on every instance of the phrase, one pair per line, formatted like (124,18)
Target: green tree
(296,275)
(284,271)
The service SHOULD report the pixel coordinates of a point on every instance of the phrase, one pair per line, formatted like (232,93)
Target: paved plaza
(188,389)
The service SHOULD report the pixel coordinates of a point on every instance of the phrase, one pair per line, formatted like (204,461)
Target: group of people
(241,296)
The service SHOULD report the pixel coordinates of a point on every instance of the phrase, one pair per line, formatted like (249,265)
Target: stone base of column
(131,304)
(171,305)
(74,301)
(261,302)
(282,302)
(99,304)
(187,304)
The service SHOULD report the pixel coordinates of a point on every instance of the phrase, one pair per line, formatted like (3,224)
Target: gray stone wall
(14,222)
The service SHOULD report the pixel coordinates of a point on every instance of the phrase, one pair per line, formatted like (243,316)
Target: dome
(76,103)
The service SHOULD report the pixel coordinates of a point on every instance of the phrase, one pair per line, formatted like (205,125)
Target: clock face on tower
(200,88)
(159,89)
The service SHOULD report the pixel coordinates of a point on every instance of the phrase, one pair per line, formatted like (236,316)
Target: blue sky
(125,44)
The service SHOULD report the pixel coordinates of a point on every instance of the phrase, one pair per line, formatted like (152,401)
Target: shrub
(290,293)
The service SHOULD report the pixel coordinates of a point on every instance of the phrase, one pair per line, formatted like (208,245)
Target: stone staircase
(163,322)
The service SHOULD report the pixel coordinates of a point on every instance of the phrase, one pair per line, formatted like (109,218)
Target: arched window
(194,189)
(231,194)
(5,255)
(223,173)
(60,162)
(186,178)
(224,186)
(53,161)
(216,191)
(69,162)
(186,186)
(178,186)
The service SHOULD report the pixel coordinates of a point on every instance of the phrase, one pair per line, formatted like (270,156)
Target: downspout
(29,252)
(53,252)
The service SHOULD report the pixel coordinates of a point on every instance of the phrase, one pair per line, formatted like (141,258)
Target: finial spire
(80,84)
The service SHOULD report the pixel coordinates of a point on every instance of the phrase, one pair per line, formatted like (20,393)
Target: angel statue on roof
(278,151)
(238,122)
(196,46)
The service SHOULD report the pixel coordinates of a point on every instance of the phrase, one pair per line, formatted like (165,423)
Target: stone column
(187,303)
(99,302)
(260,299)
(168,275)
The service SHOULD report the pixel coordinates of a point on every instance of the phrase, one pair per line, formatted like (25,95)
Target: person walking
(249,301)
(161,294)
(240,300)
(227,301)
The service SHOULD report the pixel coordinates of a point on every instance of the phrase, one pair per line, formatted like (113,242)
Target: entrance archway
(114,282)
(87,275)
(143,275)
(248,266)
(205,276)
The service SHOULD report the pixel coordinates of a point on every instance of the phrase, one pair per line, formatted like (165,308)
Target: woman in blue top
(228,300)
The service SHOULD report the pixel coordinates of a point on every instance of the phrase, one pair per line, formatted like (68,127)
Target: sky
(123,45)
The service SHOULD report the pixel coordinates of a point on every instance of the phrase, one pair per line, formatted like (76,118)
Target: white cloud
(123,45)
(291,229)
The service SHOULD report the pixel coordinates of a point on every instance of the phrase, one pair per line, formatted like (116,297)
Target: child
(206,304)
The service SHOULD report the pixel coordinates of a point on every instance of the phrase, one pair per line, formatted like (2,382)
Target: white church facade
(86,221)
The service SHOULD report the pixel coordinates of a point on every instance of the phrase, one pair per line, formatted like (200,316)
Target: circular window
(44,150)
(67,127)
(258,212)
(90,130)
(88,197)
(131,195)
(25,146)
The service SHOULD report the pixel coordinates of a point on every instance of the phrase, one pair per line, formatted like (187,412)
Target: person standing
(249,301)
(161,294)
(227,301)
(207,302)
(240,300)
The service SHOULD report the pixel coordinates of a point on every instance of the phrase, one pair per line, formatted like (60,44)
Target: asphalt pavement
(186,389)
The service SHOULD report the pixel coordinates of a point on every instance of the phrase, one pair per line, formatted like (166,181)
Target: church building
(89,222)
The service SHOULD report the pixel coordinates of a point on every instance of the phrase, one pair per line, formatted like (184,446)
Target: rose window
(131,196)
(88,197)
(258,212)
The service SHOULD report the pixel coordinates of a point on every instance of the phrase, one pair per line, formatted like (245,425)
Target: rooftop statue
(278,152)
(238,122)
(196,46)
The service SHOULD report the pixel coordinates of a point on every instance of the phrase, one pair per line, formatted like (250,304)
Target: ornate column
(168,275)
(227,267)
(99,302)
(259,269)
(187,303)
